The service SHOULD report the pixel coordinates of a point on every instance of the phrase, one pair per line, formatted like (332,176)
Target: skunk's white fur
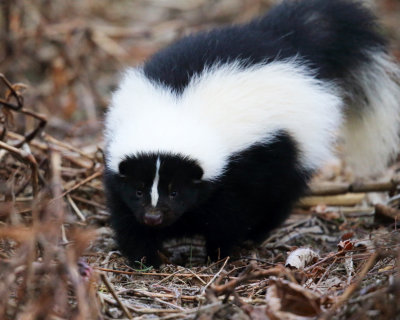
(223,111)
(371,131)
(154,187)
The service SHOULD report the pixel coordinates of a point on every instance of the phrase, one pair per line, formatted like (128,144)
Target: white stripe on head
(154,188)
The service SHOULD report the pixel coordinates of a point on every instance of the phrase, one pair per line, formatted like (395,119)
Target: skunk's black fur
(158,194)
(331,36)
(246,202)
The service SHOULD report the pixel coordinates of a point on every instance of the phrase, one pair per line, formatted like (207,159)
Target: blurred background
(70,53)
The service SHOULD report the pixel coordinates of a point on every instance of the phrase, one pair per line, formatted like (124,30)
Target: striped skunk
(218,134)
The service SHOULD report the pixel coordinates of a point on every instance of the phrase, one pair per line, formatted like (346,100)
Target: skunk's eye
(139,193)
(173,194)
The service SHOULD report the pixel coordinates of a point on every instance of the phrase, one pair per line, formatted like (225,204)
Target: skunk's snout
(153,218)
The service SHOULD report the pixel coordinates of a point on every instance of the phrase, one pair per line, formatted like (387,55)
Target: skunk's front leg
(140,247)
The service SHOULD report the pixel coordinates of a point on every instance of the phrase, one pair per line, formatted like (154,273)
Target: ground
(58,259)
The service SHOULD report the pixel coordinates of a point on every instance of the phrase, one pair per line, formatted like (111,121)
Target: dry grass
(57,256)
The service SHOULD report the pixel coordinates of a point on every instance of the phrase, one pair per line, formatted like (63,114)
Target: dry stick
(200,279)
(88,179)
(340,255)
(341,188)
(198,310)
(215,276)
(325,273)
(79,162)
(34,143)
(8,104)
(227,275)
(351,288)
(169,304)
(63,235)
(108,45)
(114,294)
(347,199)
(53,140)
(42,123)
(89,202)
(26,288)
(151,310)
(331,256)
(75,208)
(26,158)
(231,285)
(212,265)
(161,274)
(141,293)
(168,277)
(56,184)
(14,93)
(138,310)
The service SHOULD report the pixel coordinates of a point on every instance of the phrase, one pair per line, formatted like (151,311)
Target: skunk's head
(158,189)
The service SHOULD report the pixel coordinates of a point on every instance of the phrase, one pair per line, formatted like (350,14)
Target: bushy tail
(342,39)
(372,128)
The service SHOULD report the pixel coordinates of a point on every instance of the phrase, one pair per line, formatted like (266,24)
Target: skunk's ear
(122,168)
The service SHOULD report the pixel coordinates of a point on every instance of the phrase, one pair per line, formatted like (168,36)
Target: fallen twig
(27,158)
(114,294)
(348,199)
(161,274)
(231,285)
(215,276)
(84,181)
(325,189)
(351,288)
(142,293)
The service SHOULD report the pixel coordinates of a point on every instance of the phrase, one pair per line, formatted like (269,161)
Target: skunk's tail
(372,127)
(341,39)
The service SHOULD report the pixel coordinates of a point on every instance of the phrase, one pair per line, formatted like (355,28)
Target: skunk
(219,134)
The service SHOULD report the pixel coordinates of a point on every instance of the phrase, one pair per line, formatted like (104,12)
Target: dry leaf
(300,258)
(289,301)
(345,245)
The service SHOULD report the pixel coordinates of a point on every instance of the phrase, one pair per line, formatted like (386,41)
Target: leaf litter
(336,256)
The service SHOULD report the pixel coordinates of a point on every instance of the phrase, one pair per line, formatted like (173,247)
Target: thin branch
(27,158)
(329,189)
(114,294)
(161,274)
(231,285)
(84,181)
(351,288)
(215,276)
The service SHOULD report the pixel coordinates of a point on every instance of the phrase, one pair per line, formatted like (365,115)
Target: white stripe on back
(154,188)
(225,110)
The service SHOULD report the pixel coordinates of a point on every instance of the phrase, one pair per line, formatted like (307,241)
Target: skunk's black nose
(153,218)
